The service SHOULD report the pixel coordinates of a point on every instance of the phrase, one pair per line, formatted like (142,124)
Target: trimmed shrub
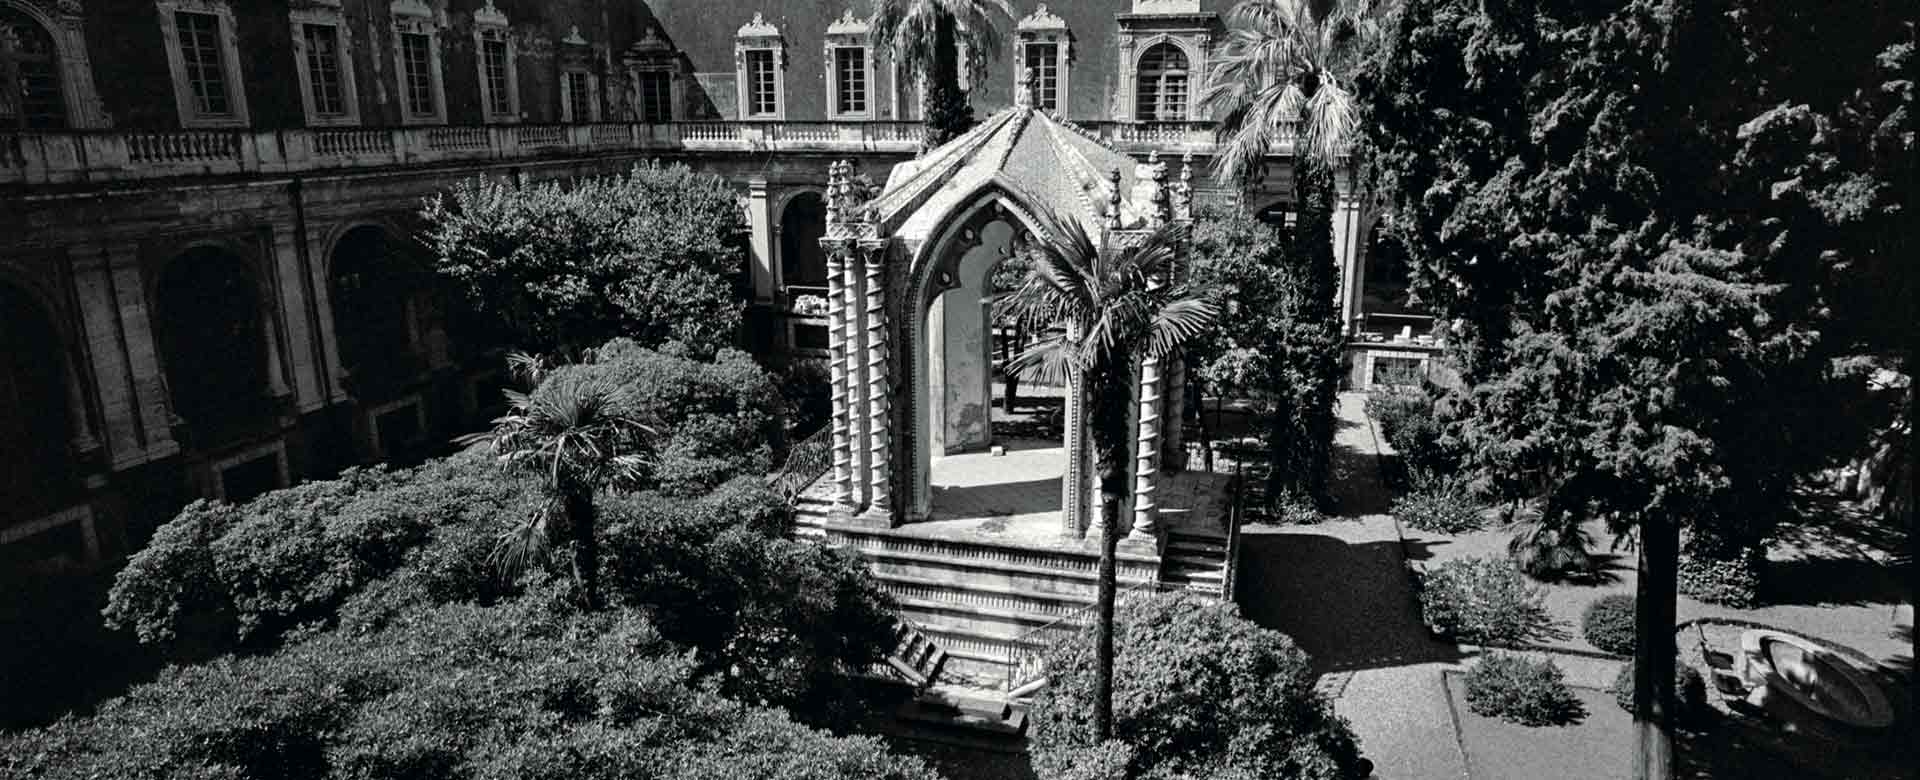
(1689,690)
(1733,582)
(1607,624)
(1199,692)
(1485,601)
(1440,508)
(807,388)
(1522,690)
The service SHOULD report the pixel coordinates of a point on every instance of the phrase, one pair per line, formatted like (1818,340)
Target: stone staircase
(975,600)
(1195,562)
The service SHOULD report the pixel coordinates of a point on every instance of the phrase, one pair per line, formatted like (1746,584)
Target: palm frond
(527,544)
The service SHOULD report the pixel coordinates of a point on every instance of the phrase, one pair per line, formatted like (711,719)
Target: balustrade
(42,158)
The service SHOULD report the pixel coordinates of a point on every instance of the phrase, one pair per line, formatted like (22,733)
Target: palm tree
(577,430)
(1101,308)
(1283,66)
(921,37)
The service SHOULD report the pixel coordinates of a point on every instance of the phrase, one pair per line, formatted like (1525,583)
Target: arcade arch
(35,428)
(213,343)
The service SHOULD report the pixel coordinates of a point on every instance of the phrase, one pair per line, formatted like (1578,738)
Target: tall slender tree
(1283,76)
(923,38)
(1102,307)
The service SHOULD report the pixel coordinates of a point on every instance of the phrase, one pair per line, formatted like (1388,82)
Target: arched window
(29,75)
(213,344)
(34,425)
(1160,94)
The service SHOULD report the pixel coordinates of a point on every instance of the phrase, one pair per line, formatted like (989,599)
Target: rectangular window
(416,57)
(1044,60)
(323,69)
(761,100)
(200,53)
(656,97)
(579,102)
(850,72)
(493,62)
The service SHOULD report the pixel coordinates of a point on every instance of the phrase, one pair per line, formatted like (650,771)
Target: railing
(1026,669)
(807,461)
(97,156)
(93,156)
(1236,515)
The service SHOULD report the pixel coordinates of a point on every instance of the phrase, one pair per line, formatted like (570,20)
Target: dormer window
(849,69)
(760,60)
(1044,46)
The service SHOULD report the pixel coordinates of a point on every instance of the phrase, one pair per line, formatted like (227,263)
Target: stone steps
(1196,562)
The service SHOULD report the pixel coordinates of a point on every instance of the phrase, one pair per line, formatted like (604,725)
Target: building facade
(209,282)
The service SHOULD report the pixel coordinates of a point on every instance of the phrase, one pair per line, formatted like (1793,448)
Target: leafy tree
(1279,344)
(651,255)
(1104,307)
(923,36)
(1639,217)
(580,431)
(528,688)
(717,419)
(1205,693)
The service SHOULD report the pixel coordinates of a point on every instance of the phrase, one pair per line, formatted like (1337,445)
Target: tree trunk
(1012,348)
(946,54)
(1113,392)
(1654,651)
(586,543)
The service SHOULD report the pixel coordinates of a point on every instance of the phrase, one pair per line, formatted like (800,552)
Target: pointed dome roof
(1050,165)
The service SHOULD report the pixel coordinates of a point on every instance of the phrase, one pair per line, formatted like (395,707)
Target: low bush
(1410,422)
(1485,601)
(1731,581)
(1607,624)
(1199,692)
(1522,690)
(1295,508)
(1689,690)
(1439,507)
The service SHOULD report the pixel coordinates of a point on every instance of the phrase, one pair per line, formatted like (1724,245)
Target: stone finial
(836,190)
(1113,199)
(1149,194)
(1029,88)
(1183,191)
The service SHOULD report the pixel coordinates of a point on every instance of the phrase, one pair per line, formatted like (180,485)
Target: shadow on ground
(1348,605)
(1824,581)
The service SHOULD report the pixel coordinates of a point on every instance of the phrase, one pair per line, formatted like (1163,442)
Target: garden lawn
(1821,592)
(1597,747)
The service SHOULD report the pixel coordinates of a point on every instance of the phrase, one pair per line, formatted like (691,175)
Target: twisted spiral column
(837,365)
(1147,455)
(853,283)
(879,434)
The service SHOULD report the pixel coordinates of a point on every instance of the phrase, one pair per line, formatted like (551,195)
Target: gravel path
(1340,590)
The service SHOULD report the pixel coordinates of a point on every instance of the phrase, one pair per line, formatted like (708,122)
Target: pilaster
(294,306)
(760,219)
(120,346)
